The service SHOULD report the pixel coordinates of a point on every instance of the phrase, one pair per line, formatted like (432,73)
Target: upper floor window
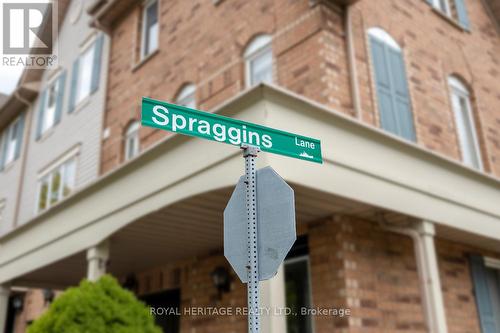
(443,6)
(454,9)
(86,71)
(391,85)
(11,142)
(149,28)
(51,100)
(85,74)
(259,61)
(132,140)
(187,96)
(49,118)
(57,184)
(464,120)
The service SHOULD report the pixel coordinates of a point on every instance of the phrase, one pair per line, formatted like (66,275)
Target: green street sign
(180,119)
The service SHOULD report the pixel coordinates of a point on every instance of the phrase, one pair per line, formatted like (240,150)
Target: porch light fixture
(221,279)
(48,295)
(18,302)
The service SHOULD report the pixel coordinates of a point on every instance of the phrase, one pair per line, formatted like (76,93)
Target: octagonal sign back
(275,228)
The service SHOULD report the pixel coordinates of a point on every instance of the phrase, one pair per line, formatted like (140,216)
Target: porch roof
(168,203)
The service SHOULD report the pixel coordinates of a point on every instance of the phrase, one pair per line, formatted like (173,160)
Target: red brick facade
(354,265)
(310,58)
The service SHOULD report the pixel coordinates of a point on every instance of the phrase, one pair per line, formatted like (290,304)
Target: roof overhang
(361,165)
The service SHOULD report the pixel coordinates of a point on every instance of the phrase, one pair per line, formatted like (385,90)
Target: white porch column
(272,297)
(425,253)
(4,305)
(97,259)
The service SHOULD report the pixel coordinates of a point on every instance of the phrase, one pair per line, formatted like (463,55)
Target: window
(85,74)
(187,96)
(486,278)
(460,101)
(56,185)
(49,116)
(149,28)
(298,287)
(132,141)
(11,141)
(259,61)
(454,9)
(392,93)
(443,6)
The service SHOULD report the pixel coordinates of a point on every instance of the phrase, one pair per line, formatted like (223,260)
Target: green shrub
(96,307)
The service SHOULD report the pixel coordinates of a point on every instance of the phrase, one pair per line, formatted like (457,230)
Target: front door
(169,299)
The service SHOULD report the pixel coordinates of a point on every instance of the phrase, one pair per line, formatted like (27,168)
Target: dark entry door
(170,299)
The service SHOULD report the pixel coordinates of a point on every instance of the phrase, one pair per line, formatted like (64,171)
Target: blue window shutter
(401,96)
(3,148)
(383,84)
(60,96)
(41,111)
(96,66)
(463,17)
(74,85)
(20,134)
(483,300)
(392,90)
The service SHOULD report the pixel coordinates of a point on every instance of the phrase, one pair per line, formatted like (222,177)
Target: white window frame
(10,149)
(457,89)
(447,8)
(300,258)
(258,47)
(132,136)
(88,46)
(438,6)
(54,82)
(384,37)
(60,165)
(145,8)
(187,96)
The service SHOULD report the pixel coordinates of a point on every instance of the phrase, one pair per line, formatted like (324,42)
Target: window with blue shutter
(96,66)
(41,111)
(11,141)
(74,84)
(463,17)
(60,97)
(487,297)
(3,149)
(391,85)
(20,135)
(459,14)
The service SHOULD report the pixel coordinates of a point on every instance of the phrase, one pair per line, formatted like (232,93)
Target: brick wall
(354,265)
(457,285)
(434,48)
(211,58)
(310,58)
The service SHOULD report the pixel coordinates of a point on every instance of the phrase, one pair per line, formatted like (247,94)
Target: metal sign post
(266,209)
(250,155)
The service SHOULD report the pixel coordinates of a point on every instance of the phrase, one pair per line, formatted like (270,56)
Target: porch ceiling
(186,229)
